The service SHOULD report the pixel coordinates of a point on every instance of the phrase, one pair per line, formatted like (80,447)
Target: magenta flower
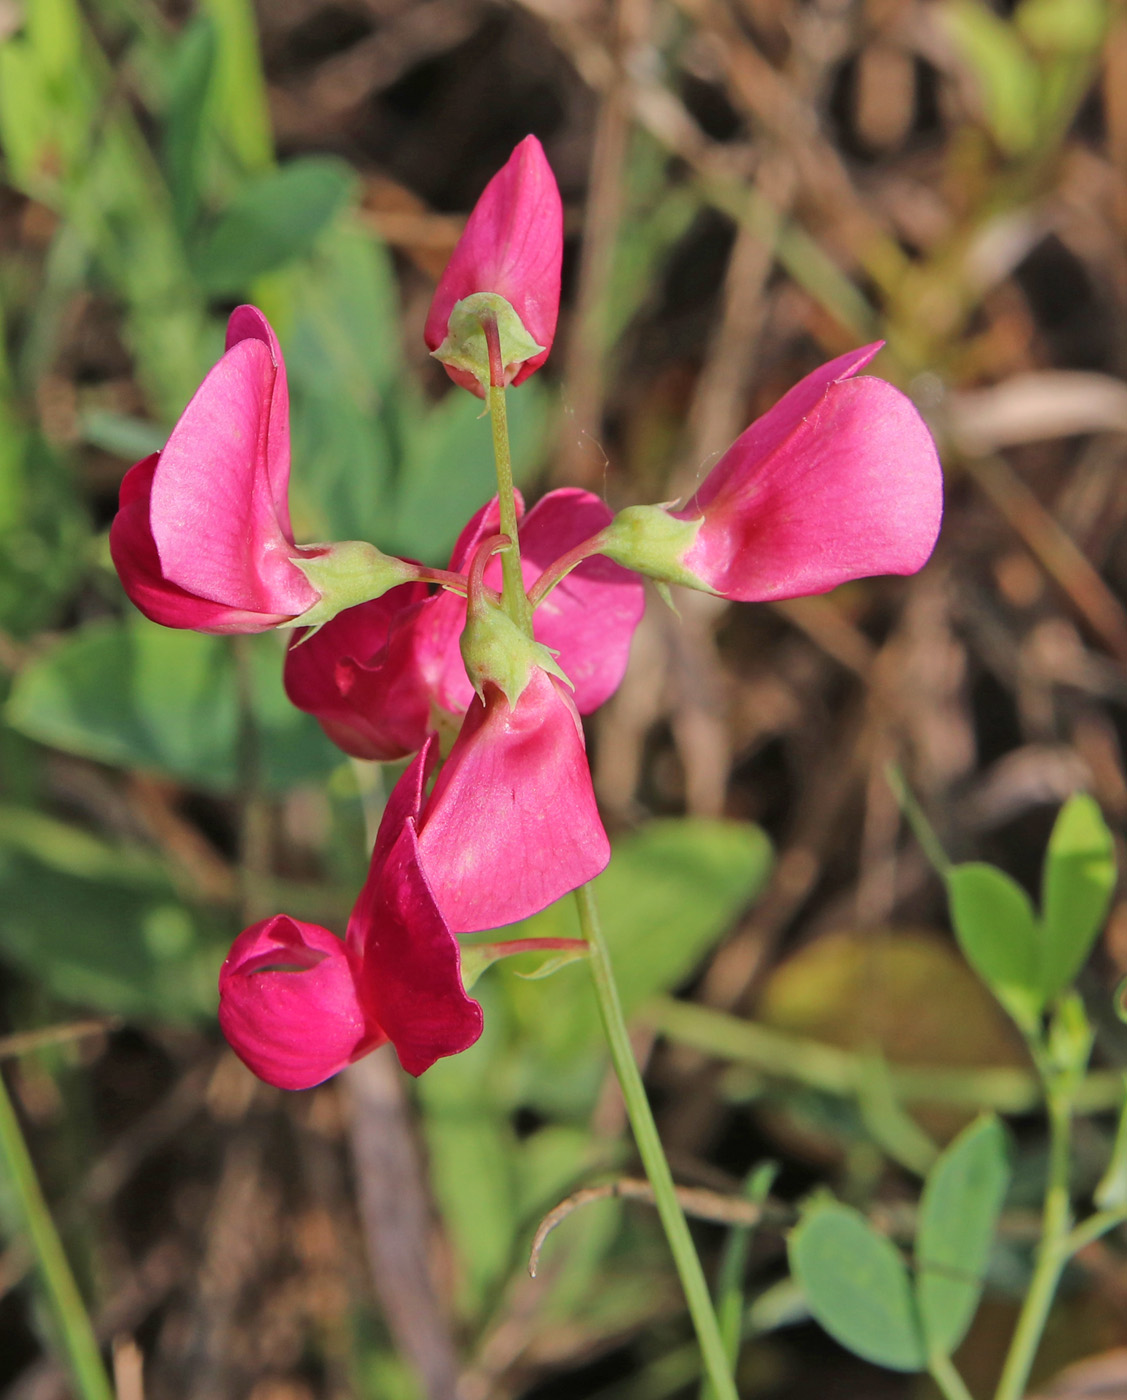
(512,246)
(292,1005)
(512,823)
(377,676)
(840,480)
(203,537)
(364,675)
(297,1004)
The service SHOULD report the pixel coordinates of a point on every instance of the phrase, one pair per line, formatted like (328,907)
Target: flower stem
(83,1356)
(1052,1252)
(513,595)
(672,1217)
(557,572)
(943,1373)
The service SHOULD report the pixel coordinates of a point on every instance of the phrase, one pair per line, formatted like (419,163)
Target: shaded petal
(362,676)
(843,482)
(513,245)
(412,962)
(589,619)
(290,1003)
(135,557)
(512,823)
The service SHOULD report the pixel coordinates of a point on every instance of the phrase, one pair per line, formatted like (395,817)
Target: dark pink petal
(290,1003)
(513,245)
(135,557)
(217,501)
(412,963)
(840,480)
(512,823)
(361,675)
(590,618)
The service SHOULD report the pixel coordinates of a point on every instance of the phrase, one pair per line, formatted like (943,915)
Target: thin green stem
(669,1210)
(512,594)
(1052,1252)
(943,1373)
(77,1334)
(1092,1229)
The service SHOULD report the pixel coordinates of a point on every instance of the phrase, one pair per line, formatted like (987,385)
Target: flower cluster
(839,480)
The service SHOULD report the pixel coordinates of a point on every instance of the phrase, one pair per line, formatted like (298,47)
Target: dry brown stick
(396,1214)
(695,1201)
(586,349)
(1056,551)
(21,1042)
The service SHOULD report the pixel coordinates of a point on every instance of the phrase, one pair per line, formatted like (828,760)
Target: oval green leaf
(1079,878)
(857,1287)
(997,931)
(959,1210)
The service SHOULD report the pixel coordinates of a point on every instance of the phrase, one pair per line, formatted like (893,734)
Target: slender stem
(1090,1230)
(513,595)
(81,1345)
(1052,1252)
(672,1217)
(943,1373)
(557,572)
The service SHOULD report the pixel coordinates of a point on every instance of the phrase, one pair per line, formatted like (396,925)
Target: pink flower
(291,1003)
(512,245)
(376,675)
(203,538)
(840,480)
(297,1004)
(363,675)
(512,824)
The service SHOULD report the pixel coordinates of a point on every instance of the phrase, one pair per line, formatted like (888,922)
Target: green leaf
(273,219)
(857,1286)
(670,892)
(193,67)
(1079,877)
(141,696)
(998,933)
(1063,26)
(102,927)
(1006,72)
(959,1210)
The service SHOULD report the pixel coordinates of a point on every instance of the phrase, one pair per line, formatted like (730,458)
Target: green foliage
(959,1211)
(668,894)
(1032,70)
(857,1286)
(101,927)
(997,931)
(1078,880)
(141,696)
(274,219)
(1028,961)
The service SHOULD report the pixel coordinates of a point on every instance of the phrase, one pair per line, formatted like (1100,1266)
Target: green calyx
(497,651)
(650,541)
(465,346)
(346,574)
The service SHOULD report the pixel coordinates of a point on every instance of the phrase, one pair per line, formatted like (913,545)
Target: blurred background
(750,187)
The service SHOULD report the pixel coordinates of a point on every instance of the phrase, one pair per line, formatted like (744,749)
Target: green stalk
(513,596)
(943,1373)
(1052,1252)
(83,1356)
(713,1351)
(512,592)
